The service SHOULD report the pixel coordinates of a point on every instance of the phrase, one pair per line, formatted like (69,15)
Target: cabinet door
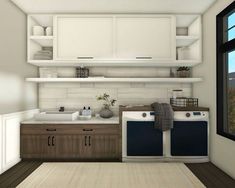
(145,37)
(84,37)
(48,146)
(85,150)
(104,146)
(69,146)
(31,146)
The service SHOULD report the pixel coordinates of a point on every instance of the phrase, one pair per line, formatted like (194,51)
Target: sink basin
(56,116)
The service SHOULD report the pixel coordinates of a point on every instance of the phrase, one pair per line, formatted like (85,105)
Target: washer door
(143,139)
(189,138)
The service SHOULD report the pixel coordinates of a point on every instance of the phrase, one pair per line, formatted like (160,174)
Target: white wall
(222,150)
(75,95)
(15,93)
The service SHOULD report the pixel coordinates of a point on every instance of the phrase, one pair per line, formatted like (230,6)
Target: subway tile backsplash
(77,95)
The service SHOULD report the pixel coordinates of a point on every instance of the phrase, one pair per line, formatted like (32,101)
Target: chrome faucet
(61,109)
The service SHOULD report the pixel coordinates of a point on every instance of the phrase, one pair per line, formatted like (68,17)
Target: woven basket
(183,74)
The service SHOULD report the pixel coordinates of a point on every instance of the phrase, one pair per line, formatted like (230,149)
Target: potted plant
(107,103)
(183,72)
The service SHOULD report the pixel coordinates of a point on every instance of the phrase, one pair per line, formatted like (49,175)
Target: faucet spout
(61,109)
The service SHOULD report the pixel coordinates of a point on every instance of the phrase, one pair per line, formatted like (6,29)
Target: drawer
(69,129)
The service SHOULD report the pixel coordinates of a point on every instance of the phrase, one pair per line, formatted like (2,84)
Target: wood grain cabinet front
(30,146)
(68,146)
(84,143)
(104,146)
(48,146)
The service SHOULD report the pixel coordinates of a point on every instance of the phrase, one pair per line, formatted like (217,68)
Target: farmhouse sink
(56,116)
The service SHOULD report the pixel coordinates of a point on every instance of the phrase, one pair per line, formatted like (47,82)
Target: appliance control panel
(191,115)
(178,115)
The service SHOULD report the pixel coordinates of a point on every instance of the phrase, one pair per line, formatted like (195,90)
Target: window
(226,72)
(231,26)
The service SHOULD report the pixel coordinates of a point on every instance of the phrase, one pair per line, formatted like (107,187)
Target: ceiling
(114,6)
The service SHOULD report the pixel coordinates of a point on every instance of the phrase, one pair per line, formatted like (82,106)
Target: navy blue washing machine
(189,137)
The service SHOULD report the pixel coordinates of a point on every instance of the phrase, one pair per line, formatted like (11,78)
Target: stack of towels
(45,54)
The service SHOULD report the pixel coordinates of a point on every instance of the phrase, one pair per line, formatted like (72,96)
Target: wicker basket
(183,74)
(184,102)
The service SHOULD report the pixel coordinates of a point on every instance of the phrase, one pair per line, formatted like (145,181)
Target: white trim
(18,116)
(55,34)
(1,146)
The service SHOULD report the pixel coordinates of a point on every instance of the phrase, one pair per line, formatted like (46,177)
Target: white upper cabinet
(114,37)
(116,40)
(83,37)
(147,37)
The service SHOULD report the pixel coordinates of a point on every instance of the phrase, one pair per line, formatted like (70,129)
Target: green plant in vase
(107,103)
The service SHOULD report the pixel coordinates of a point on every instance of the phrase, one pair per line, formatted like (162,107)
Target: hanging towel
(164,116)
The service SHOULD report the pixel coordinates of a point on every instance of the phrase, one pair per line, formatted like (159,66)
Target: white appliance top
(114,6)
(178,116)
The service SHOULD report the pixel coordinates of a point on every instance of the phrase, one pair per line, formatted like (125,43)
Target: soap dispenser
(84,111)
(89,112)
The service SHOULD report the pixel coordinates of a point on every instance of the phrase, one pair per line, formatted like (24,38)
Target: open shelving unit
(182,41)
(35,42)
(189,38)
(188,43)
(45,41)
(120,80)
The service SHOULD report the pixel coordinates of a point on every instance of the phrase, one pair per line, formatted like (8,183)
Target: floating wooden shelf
(182,41)
(104,79)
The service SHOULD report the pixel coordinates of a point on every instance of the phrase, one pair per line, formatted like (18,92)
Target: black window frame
(222,48)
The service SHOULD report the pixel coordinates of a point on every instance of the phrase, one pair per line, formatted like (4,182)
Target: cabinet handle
(85,140)
(53,144)
(89,140)
(51,130)
(48,140)
(144,57)
(80,57)
(87,129)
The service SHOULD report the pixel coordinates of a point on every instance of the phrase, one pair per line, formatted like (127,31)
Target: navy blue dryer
(189,137)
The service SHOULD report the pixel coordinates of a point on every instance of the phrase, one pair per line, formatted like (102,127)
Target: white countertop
(93,120)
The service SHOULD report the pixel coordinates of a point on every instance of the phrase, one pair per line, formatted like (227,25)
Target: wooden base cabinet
(104,146)
(100,147)
(68,146)
(93,143)
(48,146)
(30,146)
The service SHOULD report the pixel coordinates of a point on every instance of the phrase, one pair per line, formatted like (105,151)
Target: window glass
(231,94)
(231,27)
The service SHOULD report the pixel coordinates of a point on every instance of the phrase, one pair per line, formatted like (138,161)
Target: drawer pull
(51,130)
(85,140)
(53,144)
(144,58)
(87,129)
(89,140)
(48,140)
(85,57)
